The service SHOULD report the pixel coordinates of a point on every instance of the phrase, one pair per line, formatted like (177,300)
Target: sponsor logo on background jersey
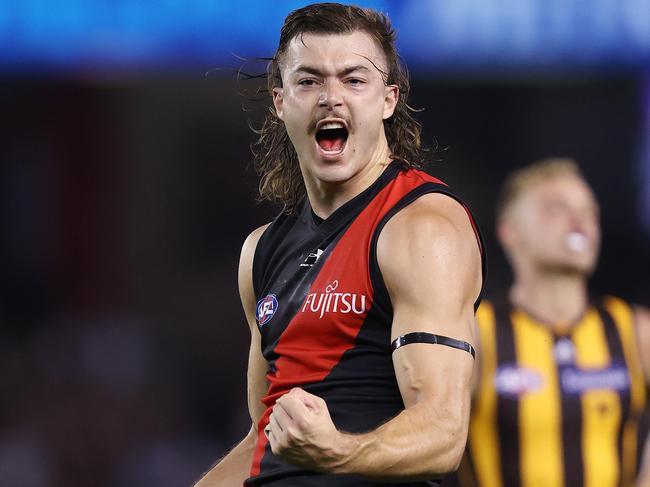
(511,380)
(266,308)
(312,258)
(577,381)
(334,301)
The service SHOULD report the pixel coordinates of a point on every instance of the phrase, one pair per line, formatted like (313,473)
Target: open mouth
(332,136)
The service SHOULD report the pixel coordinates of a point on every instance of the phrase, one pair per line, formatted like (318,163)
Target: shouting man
(361,294)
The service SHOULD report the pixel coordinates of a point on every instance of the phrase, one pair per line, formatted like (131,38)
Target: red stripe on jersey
(314,341)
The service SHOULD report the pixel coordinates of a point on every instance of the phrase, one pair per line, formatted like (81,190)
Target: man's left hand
(301,431)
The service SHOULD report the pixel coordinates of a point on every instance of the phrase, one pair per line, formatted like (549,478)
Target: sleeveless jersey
(325,317)
(556,410)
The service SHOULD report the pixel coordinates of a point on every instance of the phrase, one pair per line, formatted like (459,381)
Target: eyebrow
(318,72)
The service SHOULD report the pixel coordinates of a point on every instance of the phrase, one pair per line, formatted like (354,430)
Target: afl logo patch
(266,308)
(512,381)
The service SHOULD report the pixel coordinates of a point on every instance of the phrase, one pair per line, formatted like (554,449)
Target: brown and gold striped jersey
(556,409)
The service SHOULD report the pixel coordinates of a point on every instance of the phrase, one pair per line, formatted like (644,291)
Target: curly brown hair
(275,158)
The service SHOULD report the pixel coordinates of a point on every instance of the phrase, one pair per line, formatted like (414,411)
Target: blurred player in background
(360,296)
(563,374)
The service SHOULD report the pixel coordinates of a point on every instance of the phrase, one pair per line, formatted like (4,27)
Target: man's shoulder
(250,244)
(626,310)
(430,244)
(256,234)
(432,220)
(431,211)
(419,173)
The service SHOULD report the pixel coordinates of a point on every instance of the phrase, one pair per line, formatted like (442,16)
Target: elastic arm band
(421,337)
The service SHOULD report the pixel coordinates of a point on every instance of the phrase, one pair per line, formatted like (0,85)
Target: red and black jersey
(325,317)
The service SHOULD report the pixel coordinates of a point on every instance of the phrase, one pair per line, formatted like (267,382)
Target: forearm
(234,468)
(415,445)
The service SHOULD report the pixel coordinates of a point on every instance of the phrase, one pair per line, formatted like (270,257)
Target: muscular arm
(430,262)
(234,468)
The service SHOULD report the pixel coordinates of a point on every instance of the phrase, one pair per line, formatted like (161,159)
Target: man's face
(554,225)
(333,102)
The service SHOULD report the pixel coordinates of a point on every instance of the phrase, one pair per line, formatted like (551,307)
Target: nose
(580,221)
(331,95)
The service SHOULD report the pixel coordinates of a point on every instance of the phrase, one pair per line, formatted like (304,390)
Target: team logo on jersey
(334,301)
(511,380)
(266,308)
(564,352)
(577,381)
(312,258)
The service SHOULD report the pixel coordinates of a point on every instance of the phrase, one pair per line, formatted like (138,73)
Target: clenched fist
(301,431)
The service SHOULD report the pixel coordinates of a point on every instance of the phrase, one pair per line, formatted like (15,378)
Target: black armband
(421,337)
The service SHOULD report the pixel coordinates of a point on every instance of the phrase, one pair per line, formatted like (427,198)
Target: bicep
(430,261)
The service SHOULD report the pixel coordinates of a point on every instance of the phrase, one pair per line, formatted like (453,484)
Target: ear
(390,100)
(277,101)
(505,233)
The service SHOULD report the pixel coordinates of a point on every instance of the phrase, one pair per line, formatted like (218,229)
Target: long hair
(275,158)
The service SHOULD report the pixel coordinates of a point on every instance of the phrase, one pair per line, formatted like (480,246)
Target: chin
(581,267)
(333,171)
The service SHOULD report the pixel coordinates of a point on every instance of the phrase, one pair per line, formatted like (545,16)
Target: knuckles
(301,423)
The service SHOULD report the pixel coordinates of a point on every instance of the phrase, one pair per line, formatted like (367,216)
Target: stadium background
(125,197)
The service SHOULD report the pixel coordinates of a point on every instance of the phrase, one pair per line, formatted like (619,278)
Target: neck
(556,298)
(326,197)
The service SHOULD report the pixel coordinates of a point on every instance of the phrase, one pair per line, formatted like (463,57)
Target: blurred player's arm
(429,258)
(234,468)
(642,320)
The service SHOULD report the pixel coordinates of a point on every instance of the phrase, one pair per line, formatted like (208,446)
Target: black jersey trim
(430,338)
(572,428)
(507,420)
